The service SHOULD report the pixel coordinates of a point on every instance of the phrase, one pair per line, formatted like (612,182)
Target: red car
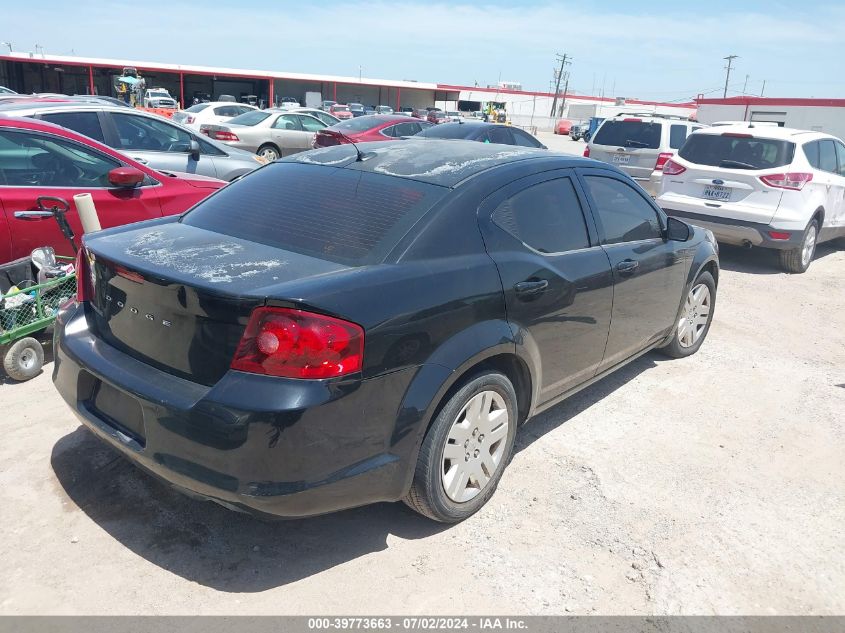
(375,127)
(41,159)
(563,126)
(436,116)
(341,111)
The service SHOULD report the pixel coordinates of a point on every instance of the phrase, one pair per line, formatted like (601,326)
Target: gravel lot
(712,484)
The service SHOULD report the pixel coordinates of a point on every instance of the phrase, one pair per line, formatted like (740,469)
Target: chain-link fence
(31,309)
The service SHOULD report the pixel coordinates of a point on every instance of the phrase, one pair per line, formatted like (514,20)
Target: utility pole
(729,59)
(763,89)
(745,85)
(558,77)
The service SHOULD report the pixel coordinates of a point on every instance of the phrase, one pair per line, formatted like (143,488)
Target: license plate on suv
(620,159)
(715,192)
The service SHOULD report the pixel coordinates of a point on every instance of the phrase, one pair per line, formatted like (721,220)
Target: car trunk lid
(178,297)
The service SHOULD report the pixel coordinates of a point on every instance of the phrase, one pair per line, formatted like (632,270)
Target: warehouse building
(820,115)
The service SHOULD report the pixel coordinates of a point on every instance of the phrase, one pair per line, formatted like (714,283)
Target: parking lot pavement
(563,144)
(712,484)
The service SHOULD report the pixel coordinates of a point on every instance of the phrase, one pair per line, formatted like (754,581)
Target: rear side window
(341,215)
(677,136)
(546,217)
(811,151)
(737,152)
(86,123)
(500,135)
(524,139)
(840,155)
(624,214)
(359,124)
(634,134)
(199,107)
(448,130)
(253,117)
(827,156)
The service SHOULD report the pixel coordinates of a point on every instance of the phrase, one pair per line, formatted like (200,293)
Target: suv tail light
(792,180)
(662,158)
(297,344)
(84,285)
(671,168)
(587,152)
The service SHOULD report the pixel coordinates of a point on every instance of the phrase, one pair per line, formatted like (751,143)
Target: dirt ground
(712,484)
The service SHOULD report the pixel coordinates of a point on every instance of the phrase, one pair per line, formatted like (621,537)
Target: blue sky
(650,50)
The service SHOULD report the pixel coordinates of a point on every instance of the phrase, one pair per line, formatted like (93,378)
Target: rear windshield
(342,215)
(450,130)
(253,117)
(732,152)
(634,134)
(197,108)
(358,124)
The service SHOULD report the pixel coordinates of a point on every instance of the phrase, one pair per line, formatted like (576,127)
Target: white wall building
(820,115)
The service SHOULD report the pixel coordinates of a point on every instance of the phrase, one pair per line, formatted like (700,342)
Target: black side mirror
(194,149)
(677,230)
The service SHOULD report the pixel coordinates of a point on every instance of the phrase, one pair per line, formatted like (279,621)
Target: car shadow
(762,261)
(208,544)
(577,403)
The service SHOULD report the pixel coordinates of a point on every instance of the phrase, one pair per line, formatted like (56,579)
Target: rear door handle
(531,287)
(627,266)
(33,215)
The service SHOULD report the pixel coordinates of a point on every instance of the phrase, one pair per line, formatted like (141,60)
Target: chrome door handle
(33,215)
(627,266)
(531,287)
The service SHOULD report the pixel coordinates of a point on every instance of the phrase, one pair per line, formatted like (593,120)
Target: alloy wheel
(475,446)
(809,246)
(695,315)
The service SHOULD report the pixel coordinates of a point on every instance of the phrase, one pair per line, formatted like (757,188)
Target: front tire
(466,450)
(24,359)
(797,260)
(695,319)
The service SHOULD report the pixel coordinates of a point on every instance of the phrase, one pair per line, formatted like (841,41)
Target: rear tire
(798,260)
(691,330)
(466,449)
(24,359)
(269,152)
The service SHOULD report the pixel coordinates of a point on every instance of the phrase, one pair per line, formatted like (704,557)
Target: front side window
(405,129)
(546,217)
(500,135)
(624,214)
(142,133)
(310,124)
(39,160)
(524,139)
(86,123)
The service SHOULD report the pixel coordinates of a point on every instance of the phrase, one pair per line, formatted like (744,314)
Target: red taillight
(223,135)
(671,168)
(296,344)
(793,180)
(779,235)
(84,287)
(587,152)
(662,158)
(634,120)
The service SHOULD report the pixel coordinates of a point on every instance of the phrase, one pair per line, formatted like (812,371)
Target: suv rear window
(634,134)
(736,152)
(341,215)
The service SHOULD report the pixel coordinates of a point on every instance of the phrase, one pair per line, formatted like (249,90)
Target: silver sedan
(271,134)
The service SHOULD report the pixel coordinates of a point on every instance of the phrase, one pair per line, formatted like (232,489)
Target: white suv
(640,144)
(761,186)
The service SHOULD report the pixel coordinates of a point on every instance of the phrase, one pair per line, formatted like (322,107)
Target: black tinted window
(637,134)
(341,215)
(405,129)
(811,151)
(677,136)
(500,135)
(524,139)
(827,156)
(733,151)
(624,214)
(450,130)
(87,123)
(359,124)
(547,217)
(41,160)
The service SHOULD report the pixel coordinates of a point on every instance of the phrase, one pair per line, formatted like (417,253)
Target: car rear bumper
(740,232)
(264,445)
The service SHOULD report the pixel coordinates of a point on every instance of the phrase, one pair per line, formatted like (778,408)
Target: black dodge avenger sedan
(349,326)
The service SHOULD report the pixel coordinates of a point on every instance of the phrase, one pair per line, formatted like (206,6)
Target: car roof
(766,131)
(440,162)
(16,109)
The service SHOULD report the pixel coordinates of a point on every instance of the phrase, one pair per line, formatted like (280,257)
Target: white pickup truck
(158,98)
